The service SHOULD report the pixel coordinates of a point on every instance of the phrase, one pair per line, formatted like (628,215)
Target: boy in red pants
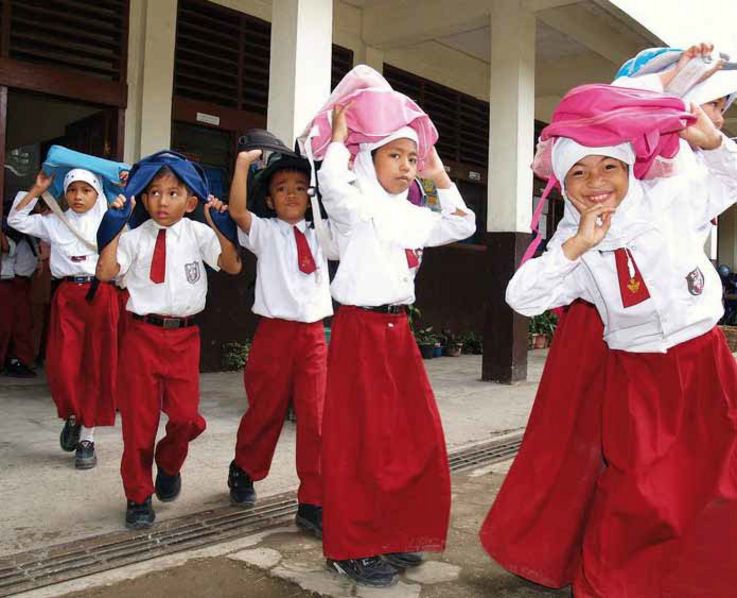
(163,260)
(288,360)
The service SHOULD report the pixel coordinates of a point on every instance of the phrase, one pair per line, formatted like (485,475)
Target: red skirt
(535,527)
(386,482)
(82,353)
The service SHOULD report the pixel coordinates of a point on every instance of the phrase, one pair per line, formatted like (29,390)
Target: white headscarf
(631,218)
(397,219)
(86,223)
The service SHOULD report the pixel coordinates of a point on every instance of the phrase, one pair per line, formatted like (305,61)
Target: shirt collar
(175,229)
(285,228)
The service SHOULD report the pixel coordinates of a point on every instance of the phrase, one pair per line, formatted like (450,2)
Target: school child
(21,353)
(562,442)
(163,260)
(661,520)
(81,358)
(7,273)
(288,358)
(385,470)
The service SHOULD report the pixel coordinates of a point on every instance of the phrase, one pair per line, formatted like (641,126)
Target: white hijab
(632,216)
(397,220)
(88,222)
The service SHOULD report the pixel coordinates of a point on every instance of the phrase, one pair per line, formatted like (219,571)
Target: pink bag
(376,111)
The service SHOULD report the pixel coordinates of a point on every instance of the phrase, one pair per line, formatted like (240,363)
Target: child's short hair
(166,171)
(260,187)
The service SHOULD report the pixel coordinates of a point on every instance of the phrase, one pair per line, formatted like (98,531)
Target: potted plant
(472,343)
(541,329)
(426,340)
(234,355)
(453,344)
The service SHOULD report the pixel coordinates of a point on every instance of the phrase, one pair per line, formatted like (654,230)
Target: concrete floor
(46,501)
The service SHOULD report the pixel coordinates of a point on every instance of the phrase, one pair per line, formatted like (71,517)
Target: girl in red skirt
(662,518)
(82,348)
(385,470)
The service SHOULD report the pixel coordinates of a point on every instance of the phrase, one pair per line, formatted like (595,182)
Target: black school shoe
(69,437)
(403,560)
(371,571)
(167,486)
(309,519)
(240,483)
(16,369)
(139,516)
(85,457)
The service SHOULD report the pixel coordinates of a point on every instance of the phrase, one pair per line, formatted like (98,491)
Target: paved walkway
(46,501)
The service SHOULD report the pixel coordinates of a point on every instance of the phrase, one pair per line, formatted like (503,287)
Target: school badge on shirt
(192,270)
(695,280)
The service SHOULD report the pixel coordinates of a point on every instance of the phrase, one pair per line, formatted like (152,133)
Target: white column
(512,117)
(150,76)
(299,73)
(374,57)
(728,238)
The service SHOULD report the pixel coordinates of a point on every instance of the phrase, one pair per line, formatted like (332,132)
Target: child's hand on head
(700,50)
(213,203)
(119,202)
(703,133)
(434,170)
(123,178)
(340,126)
(249,157)
(43,182)
(592,228)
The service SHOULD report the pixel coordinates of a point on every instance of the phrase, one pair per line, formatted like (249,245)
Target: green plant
(234,355)
(413,315)
(544,323)
(472,342)
(425,336)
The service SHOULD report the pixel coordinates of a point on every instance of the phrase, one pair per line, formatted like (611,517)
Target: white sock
(87,434)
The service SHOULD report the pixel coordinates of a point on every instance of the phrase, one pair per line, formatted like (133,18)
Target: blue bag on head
(60,160)
(651,60)
(141,175)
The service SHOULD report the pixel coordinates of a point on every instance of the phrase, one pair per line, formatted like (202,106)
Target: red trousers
(15,320)
(287,362)
(159,372)
(82,353)
(385,467)
(22,338)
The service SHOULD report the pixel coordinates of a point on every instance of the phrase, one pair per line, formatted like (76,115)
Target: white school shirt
(282,289)
(69,256)
(685,289)
(374,271)
(25,260)
(184,290)
(7,267)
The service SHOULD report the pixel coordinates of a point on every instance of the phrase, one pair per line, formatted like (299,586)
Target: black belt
(165,322)
(6,280)
(78,279)
(387,309)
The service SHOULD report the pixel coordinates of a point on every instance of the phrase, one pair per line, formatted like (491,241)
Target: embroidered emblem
(78,258)
(695,280)
(633,286)
(192,271)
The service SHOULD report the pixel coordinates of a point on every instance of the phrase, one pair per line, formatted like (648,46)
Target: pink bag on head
(376,111)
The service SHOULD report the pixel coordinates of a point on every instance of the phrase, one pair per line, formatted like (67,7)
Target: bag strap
(324,233)
(56,209)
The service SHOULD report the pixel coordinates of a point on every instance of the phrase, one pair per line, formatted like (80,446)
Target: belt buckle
(171,322)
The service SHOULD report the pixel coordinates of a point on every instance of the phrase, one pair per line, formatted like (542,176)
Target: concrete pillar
(509,207)
(374,57)
(727,238)
(299,74)
(151,41)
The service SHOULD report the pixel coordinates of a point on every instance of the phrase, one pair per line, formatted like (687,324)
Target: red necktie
(412,260)
(305,261)
(158,263)
(631,285)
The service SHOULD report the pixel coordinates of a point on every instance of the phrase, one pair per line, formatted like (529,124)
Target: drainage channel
(42,567)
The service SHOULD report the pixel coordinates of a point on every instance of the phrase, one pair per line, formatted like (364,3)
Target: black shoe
(139,516)
(371,571)
(309,519)
(403,560)
(85,457)
(167,486)
(15,369)
(241,487)
(69,437)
